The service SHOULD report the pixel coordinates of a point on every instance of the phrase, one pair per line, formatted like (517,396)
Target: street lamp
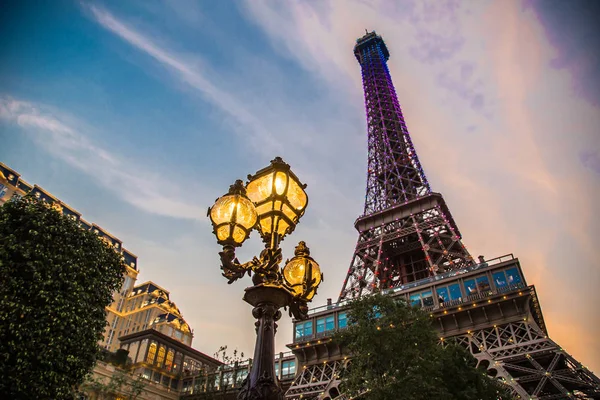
(272,202)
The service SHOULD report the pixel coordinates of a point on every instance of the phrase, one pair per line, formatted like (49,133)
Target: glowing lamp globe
(302,274)
(279,197)
(233,216)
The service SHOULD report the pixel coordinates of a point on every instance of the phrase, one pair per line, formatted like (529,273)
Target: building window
(508,277)
(240,375)
(161,356)
(227,379)
(3,190)
(342,320)
(479,284)
(448,293)
(147,373)
(288,369)
(470,287)
(151,353)
(169,360)
(423,299)
(304,329)
(277,369)
(483,284)
(325,324)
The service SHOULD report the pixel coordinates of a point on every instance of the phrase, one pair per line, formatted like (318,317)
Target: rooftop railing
(411,285)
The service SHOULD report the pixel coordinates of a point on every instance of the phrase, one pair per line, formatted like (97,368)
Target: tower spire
(406,232)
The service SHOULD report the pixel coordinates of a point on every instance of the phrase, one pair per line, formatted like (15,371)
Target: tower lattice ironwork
(406,232)
(409,247)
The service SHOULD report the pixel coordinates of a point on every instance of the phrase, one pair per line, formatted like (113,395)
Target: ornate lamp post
(272,202)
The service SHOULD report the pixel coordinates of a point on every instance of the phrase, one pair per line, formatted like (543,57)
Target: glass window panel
(455,291)
(470,287)
(499,279)
(289,213)
(282,227)
(260,189)
(280,182)
(427,298)
(177,362)
(240,375)
(320,325)
(296,195)
(227,379)
(415,299)
(169,360)
(443,294)
(329,323)
(151,353)
(342,320)
(265,225)
(285,368)
(277,369)
(308,326)
(299,330)
(512,276)
(161,356)
(288,368)
(483,284)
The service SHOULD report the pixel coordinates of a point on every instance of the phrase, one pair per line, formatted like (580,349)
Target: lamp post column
(262,383)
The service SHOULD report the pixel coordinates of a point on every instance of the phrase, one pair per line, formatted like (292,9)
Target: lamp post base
(262,383)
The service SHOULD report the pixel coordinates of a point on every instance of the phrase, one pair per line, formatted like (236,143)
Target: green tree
(122,385)
(55,281)
(396,355)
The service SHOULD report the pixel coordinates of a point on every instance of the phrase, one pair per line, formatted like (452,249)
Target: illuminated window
(169,360)
(151,353)
(161,356)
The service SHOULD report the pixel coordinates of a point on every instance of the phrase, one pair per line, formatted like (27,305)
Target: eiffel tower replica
(409,246)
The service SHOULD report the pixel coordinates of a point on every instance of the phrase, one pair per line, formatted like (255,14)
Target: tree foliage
(122,384)
(55,281)
(396,355)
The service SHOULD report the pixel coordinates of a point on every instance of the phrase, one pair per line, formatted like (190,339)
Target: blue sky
(139,114)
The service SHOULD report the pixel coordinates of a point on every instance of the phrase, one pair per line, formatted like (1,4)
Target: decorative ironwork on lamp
(272,202)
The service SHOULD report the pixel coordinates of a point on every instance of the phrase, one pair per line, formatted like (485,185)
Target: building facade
(134,308)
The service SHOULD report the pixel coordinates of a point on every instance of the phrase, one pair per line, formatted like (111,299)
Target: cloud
(69,143)
(190,73)
(514,182)
(591,160)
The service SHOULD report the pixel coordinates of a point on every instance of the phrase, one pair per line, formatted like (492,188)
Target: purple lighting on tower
(406,233)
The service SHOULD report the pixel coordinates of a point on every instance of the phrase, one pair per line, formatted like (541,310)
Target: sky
(139,114)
